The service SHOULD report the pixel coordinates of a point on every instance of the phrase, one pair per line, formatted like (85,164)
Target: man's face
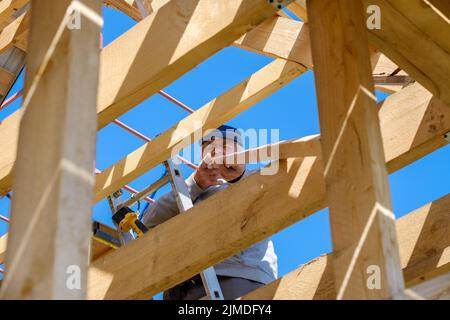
(220,147)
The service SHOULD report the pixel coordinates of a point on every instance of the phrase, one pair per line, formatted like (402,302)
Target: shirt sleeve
(166,207)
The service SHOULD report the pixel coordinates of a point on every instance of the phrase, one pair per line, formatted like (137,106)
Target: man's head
(222,141)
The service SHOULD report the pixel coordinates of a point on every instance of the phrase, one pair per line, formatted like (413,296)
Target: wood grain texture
(361,218)
(415,37)
(279,37)
(424,253)
(51,207)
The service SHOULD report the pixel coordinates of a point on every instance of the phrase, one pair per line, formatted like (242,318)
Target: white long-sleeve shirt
(257,263)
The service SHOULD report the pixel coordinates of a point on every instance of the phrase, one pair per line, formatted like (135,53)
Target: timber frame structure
(71,80)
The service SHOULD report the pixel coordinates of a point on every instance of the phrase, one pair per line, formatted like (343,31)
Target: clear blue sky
(292,109)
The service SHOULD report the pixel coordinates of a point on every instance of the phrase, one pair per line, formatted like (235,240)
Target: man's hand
(207,174)
(231,172)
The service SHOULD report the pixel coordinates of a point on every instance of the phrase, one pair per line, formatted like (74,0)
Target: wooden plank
(97,248)
(15,33)
(125,6)
(435,289)
(238,99)
(361,217)
(295,148)
(299,192)
(442,7)
(413,124)
(385,67)
(423,115)
(3,242)
(424,251)
(125,76)
(8,8)
(11,62)
(53,189)
(279,38)
(6,79)
(415,37)
(298,8)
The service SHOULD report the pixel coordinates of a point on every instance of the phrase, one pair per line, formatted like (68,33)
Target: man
(244,272)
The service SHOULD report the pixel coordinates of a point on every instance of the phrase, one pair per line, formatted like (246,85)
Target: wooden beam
(434,289)
(299,190)
(412,122)
(3,243)
(288,39)
(50,216)
(220,110)
(8,8)
(298,8)
(295,148)
(442,7)
(361,217)
(125,6)
(385,67)
(415,37)
(279,37)
(424,253)
(127,78)
(15,34)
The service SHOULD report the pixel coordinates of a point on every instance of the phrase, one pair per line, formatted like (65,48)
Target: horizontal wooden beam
(295,148)
(298,188)
(424,251)
(279,37)
(434,289)
(415,37)
(220,110)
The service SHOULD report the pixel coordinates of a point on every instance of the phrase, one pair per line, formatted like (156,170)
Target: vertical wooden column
(50,231)
(366,262)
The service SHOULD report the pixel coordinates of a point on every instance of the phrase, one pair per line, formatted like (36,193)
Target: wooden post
(366,263)
(50,234)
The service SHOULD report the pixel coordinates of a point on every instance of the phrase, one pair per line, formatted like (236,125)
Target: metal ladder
(184,202)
